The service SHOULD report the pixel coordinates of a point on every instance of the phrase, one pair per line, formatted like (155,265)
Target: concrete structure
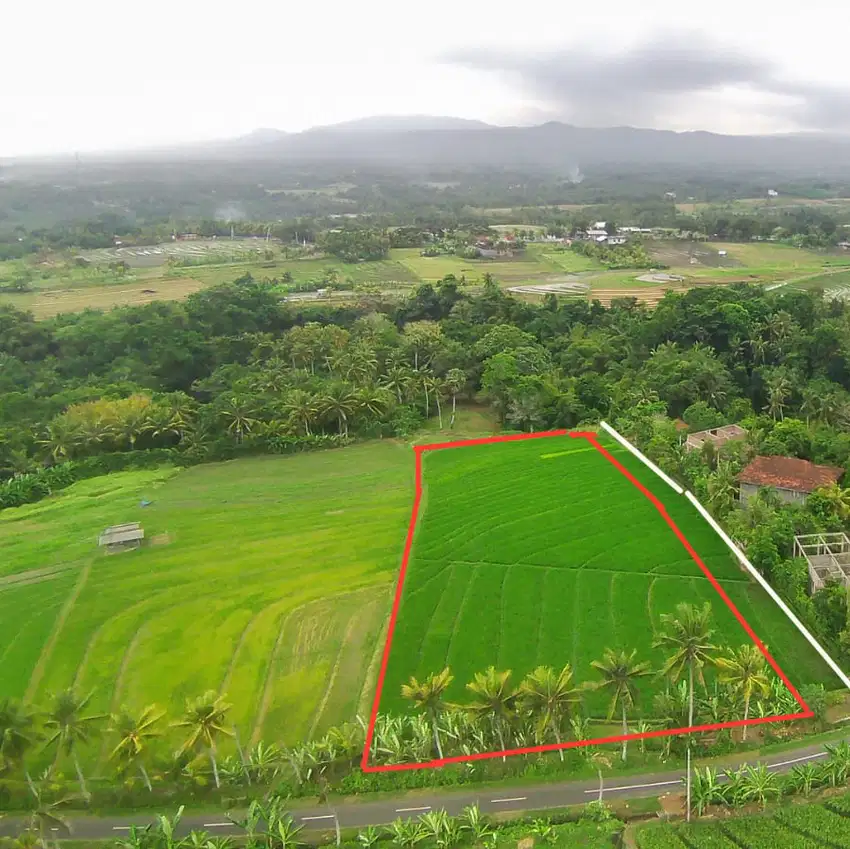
(792,479)
(828,557)
(717,436)
(121,537)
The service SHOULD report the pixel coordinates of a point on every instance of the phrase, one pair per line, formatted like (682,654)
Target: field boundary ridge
(641,456)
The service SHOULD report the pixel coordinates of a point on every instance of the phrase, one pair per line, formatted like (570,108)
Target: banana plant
(477,824)
(705,789)
(368,837)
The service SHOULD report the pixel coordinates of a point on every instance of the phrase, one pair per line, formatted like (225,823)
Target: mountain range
(445,143)
(453,142)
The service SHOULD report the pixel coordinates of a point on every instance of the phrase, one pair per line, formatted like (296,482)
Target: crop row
(793,827)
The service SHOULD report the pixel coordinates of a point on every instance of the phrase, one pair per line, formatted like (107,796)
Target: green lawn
(267,579)
(541,552)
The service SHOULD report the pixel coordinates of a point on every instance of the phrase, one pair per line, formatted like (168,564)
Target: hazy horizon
(109,80)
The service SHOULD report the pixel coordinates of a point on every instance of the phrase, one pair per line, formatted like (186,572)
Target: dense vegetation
(234,371)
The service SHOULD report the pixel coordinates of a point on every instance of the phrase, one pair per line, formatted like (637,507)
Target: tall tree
(427,695)
(620,676)
(745,670)
(339,402)
(455,381)
(134,732)
(687,636)
(69,728)
(205,719)
(18,735)
(550,697)
(494,699)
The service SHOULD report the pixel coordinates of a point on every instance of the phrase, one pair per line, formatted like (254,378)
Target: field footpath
(353,812)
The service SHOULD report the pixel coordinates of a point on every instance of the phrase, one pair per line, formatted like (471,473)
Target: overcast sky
(95,75)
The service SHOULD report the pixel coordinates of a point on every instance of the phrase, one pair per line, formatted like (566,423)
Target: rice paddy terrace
(542,552)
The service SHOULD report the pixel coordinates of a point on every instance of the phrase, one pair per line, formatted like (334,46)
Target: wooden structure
(828,558)
(121,537)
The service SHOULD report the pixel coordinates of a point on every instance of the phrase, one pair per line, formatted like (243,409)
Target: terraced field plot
(541,552)
(267,579)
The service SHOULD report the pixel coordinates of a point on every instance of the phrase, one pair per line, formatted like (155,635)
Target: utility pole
(688,800)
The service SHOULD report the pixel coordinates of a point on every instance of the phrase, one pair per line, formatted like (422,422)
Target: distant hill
(401,123)
(417,141)
(450,142)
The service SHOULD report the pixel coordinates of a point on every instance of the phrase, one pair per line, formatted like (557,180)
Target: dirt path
(32,576)
(44,657)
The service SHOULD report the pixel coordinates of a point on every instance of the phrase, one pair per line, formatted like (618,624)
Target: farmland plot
(541,551)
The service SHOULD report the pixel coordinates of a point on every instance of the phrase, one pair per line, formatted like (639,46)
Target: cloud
(648,83)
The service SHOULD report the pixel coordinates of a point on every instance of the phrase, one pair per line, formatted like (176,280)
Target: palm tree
(494,698)
(133,733)
(620,674)
(550,697)
(70,728)
(372,401)
(426,383)
(239,414)
(398,380)
(688,635)
(45,817)
(340,402)
(362,365)
(302,408)
(17,736)
(745,671)
(778,393)
(438,387)
(205,719)
(600,761)
(722,489)
(428,696)
(62,437)
(455,381)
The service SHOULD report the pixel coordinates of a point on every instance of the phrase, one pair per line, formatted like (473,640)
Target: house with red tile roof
(792,479)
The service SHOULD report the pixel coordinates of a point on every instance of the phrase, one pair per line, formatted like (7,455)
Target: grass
(267,579)
(540,552)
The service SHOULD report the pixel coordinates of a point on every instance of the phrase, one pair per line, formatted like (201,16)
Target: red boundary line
(592,438)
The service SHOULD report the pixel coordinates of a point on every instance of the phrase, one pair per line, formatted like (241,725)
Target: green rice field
(266,579)
(541,552)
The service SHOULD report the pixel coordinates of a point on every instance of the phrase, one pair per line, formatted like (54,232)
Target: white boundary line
(645,460)
(769,589)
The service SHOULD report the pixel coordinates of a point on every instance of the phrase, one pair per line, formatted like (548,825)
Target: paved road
(357,814)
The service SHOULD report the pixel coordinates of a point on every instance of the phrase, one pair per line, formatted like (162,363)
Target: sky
(93,75)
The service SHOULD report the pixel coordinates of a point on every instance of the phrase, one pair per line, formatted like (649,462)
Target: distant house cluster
(599,233)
